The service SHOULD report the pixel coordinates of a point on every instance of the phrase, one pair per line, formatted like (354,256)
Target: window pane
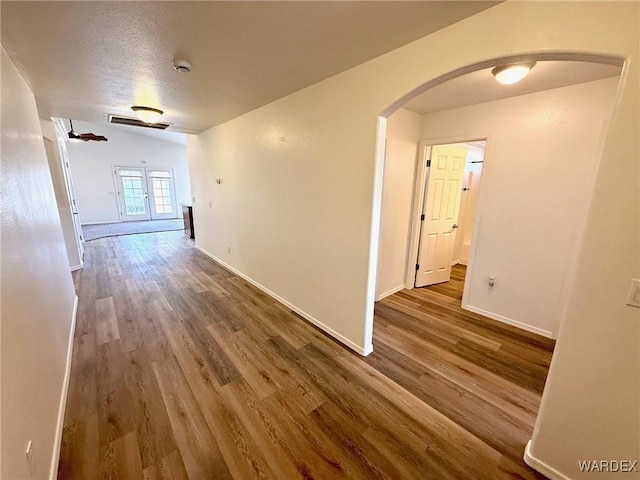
(129,173)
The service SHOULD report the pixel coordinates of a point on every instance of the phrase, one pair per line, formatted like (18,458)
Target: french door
(145,193)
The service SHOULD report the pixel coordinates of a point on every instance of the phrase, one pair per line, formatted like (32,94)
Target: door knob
(454,226)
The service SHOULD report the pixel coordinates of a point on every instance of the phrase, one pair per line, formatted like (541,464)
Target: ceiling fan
(75,136)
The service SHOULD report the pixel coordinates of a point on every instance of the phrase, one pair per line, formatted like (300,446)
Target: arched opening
(543,151)
(453,136)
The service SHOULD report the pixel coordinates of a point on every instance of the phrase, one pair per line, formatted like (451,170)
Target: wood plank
(198,447)
(106,321)
(170,467)
(121,459)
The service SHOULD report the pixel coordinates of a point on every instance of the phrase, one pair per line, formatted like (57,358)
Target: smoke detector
(182,66)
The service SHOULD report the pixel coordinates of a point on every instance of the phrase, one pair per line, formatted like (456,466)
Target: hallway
(183,370)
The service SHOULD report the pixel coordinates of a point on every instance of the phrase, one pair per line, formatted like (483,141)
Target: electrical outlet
(492,282)
(31,457)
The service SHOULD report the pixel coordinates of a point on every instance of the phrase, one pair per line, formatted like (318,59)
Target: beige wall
(403,135)
(591,403)
(541,160)
(37,296)
(296,207)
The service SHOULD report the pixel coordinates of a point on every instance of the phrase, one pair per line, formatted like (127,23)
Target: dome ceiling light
(147,114)
(509,74)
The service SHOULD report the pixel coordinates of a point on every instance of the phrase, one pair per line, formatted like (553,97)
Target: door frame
(63,153)
(174,200)
(120,193)
(426,218)
(420,184)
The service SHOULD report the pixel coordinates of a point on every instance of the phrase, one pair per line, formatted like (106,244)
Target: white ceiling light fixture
(147,114)
(509,74)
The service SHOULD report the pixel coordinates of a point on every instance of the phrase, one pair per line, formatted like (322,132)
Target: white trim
(375,232)
(419,180)
(515,323)
(55,458)
(102,223)
(390,292)
(76,267)
(362,351)
(540,466)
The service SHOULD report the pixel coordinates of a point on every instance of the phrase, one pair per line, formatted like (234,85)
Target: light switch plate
(633,297)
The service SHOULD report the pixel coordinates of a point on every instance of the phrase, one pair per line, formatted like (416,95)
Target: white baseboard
(540,466)
(390,292)
(101,223)
(53,470)
(515,323)
(356,348)
(76,267)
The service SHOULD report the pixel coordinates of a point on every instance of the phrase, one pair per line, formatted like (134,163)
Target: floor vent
(134,122)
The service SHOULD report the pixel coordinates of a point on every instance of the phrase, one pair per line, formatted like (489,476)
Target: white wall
(538,173)
(37,291)
(403,135)
(296,206)
(92,168)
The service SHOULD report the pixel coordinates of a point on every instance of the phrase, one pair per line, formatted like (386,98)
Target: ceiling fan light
(73,135)
(147,114)
(509,74)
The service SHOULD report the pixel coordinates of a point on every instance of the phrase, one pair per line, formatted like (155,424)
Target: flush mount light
(508,74)
(147,114)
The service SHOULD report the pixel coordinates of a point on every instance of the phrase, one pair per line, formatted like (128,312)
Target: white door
(162,195)
(133,197)
(440,214)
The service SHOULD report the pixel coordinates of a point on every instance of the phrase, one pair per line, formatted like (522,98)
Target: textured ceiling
(480,86)
(86,59)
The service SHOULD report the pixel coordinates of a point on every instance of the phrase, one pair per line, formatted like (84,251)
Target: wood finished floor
(182,370)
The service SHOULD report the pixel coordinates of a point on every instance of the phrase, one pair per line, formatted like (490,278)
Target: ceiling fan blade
(91,136)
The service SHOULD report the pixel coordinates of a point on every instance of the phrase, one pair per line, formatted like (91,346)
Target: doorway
(446,206)
(145,193)
(518,274)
